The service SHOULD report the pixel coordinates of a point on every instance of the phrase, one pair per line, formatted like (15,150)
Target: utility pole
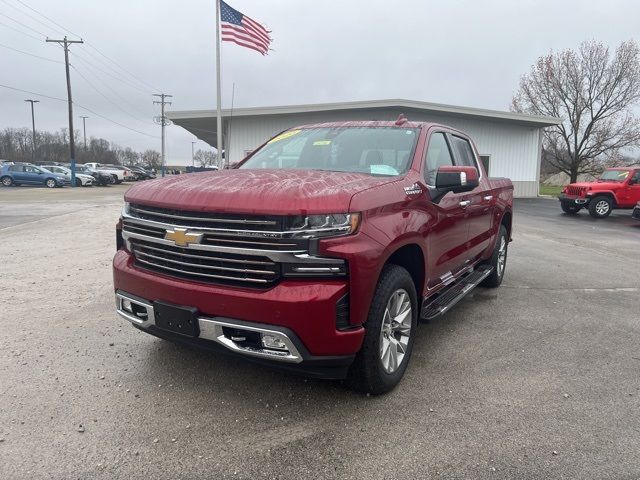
(64,43)
(33,124)
(193,158)
(163,121)
(84,130)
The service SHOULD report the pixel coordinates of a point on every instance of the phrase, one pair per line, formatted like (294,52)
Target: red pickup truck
(320,252)
(617,188)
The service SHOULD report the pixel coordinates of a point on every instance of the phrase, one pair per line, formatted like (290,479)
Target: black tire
(6,181)
(78,182)
(570,208)
(113,179)
(367,373)
(51,183)
(600,207)
(497,274)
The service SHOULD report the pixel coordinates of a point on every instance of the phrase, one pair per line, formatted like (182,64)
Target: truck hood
(271,192)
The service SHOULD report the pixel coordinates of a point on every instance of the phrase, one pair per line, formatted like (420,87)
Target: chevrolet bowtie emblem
(181,237)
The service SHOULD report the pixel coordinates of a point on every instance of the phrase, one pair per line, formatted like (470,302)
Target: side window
(438,155)
(464,153)
(16,168)
(635,180)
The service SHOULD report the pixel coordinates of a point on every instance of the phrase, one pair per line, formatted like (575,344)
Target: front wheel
(390,331)
(570,208)
(600,207)
(498,260)
(78,182)
(51,183)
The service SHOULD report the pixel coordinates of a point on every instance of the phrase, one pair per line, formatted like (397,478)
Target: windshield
(371,150)
(614,175)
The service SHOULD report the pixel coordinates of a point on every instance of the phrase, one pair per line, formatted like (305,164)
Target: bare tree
(151,159)
(205,158)
(593,93)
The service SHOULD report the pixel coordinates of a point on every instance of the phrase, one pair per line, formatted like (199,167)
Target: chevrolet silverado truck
(617,188)
(320,252)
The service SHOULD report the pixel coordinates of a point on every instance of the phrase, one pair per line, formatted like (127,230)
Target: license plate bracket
(177,319)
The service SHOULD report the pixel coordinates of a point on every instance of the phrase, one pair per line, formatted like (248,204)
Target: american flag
(244,31)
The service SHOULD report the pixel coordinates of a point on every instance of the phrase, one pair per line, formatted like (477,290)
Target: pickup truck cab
(617,188)
(116,174)
(320,251)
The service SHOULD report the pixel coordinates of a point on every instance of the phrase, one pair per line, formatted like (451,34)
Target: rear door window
(438,155)
(463,152)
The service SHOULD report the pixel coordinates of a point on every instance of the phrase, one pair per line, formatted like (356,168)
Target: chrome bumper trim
(211,329)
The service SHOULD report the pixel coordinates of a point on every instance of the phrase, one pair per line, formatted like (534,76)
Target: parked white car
(82,180)
(117,175)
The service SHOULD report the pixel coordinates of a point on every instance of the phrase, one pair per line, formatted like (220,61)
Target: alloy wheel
(602,207)
(502,255)
(395,330)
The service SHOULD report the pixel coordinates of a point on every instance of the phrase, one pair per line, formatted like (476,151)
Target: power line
(125,82)
(31,16)
(79,106)
(123,69)
(20,31)
(23,24)
(30,54)
(141,81)
(105,97)
(32,93)
(44,16)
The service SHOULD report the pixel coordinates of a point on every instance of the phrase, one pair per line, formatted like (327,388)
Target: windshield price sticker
(284,135)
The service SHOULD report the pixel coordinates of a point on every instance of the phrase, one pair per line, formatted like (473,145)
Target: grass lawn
(552,190)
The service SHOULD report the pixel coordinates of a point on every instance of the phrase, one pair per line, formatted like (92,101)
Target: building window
(486,162)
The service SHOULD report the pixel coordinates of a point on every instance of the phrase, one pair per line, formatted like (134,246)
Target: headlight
(125,208)
(328,225)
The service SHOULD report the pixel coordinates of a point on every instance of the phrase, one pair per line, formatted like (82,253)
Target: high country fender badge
(413,189)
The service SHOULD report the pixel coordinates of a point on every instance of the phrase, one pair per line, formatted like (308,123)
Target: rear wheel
(600,207)
(570,208)
(7,181)
(113,179)
(498,260)
(390,331)
(51,183)
(78,182)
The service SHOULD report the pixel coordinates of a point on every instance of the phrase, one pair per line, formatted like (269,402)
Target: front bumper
(579,201)
(217,334)
(306,309)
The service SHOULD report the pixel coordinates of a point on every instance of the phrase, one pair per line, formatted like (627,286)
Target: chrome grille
(206,220)
(205,266)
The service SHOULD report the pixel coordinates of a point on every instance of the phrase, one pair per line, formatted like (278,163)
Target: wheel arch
(411,257)
(607,193)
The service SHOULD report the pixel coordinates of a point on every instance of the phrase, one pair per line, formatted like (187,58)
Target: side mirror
(456,179)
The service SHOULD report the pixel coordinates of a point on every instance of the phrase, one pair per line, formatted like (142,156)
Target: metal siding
(514,149)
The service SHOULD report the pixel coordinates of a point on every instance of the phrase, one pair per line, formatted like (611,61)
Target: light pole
(33,125)
(193,161)
(84,130)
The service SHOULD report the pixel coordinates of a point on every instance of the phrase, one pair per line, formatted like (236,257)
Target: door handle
(465,203)
(488,198)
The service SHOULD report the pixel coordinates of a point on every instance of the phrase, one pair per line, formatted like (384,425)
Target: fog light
(126,305)
(271,341)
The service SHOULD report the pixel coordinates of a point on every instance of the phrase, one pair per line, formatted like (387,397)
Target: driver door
(447,239)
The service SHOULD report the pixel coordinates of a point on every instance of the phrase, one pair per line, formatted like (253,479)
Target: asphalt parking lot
(537,379)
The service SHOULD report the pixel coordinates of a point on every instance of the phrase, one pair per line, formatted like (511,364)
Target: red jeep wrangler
(320,251)
(616,188)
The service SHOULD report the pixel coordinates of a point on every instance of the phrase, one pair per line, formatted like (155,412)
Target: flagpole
(218,86)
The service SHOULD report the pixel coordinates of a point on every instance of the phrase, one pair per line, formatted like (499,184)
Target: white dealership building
(510,144)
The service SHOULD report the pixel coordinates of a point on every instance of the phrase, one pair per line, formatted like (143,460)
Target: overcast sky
(457,52)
